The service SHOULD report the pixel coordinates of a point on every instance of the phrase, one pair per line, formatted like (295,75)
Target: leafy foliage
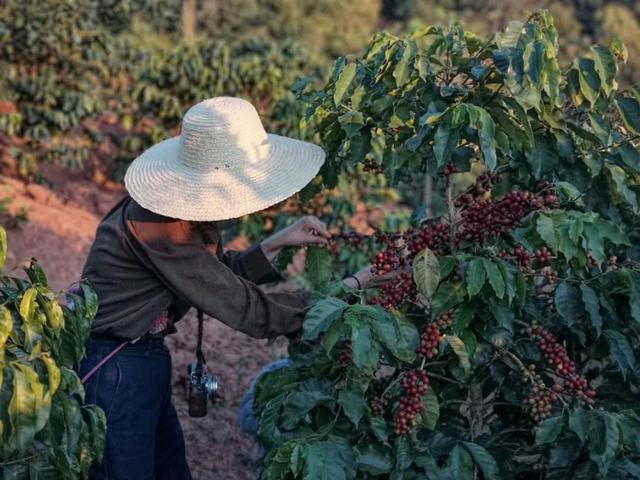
(76,92)
(526,324)
(45,430)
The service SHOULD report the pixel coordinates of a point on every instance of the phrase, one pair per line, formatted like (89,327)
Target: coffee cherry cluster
(379,398)
(522,255)
(414,385)
(450,170)
(543,255)
(483,184)
(388,260)
(371,166)
(592,261)
(394,293)
(550,275)
(485,218)
(377,406)
(433,236)
(351,239)
(556,355)
(430,341)
(540,401)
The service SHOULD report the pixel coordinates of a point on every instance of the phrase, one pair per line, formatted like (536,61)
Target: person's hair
(210,231)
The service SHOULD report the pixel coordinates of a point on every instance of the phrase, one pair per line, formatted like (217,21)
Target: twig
(445,379)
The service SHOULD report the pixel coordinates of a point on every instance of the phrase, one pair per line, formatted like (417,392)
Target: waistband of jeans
(147,340)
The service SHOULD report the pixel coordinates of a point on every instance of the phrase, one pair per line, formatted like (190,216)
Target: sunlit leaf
(426,272)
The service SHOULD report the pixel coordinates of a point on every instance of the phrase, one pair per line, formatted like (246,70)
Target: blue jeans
(144,438)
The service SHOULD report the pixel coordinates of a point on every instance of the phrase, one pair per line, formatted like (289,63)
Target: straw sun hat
(222,166)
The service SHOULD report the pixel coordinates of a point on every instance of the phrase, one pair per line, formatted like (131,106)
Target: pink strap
(92,372)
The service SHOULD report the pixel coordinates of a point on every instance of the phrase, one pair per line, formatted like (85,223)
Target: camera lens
(211,386)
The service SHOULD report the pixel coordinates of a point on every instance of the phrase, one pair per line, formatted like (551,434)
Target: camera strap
(199,354)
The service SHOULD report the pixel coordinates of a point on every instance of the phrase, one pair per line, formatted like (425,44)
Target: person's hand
(367,279)
(307,230)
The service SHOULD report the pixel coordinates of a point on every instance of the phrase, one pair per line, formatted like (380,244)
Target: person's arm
(251,264)
(196,275)
(255,263)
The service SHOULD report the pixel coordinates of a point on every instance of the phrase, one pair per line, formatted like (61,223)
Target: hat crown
(222,132)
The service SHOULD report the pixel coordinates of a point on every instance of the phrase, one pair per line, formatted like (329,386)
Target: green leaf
(366,352)
(353,404)
(460,350)
(605,64)
(605,439)
(321,316)
(6,326)
(344,82)
(307,396)
(53,372)
(483,459)
(630,156)
(568,303)
(621,351)
(272,384)
(444,143)
(592,305)
(462,317)
(402,71)
(426,273)
(430,410)
(569,192)
(331,459)
(547,232)
(634,295)
(629,109)
(549,430)
(379,428)
(495,277)
(90,301)
(448,295)
(29,304)
(374,459)
(29,407)
(475,276)
(579,425)
(318,267)
(460,464)
(268,426)
(279,461)
(543,157)
(351,123)
(408,341)
(589,79)
(480,119)
(619,178)
(3,247)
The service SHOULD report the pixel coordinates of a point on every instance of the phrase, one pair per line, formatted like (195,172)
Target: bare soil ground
(61,227)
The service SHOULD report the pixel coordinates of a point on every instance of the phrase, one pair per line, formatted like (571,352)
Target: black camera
(202,387)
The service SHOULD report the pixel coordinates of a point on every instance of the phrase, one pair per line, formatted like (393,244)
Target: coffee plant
(46,432)
(77,91)
(507,346)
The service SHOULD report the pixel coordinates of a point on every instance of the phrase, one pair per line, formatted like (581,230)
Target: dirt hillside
(61,226)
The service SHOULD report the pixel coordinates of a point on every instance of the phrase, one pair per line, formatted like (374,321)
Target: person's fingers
(315,240)
(318,225)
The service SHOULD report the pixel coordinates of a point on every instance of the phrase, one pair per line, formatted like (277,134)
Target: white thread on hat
(223,165)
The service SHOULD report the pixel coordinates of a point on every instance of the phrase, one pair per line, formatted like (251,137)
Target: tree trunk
(189,20)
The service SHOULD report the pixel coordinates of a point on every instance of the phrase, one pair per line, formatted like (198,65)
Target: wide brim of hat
(160,182)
